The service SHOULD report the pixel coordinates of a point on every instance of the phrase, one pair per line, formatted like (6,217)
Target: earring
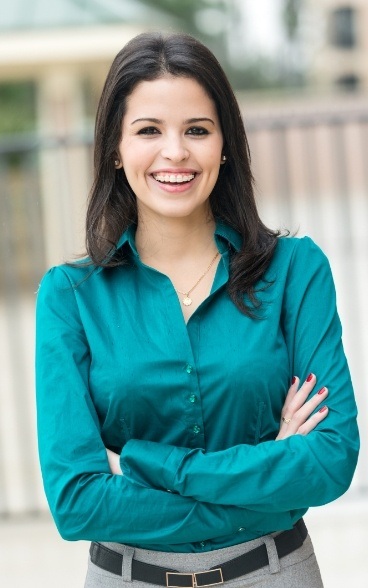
(223,158)
(117,163)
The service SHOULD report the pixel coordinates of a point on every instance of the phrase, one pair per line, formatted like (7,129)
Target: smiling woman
(180,428)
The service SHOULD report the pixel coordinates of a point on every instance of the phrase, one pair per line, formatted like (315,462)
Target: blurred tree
(17,107)
(185,11)
(291,17)
(292,66)
(204,19)
(212,21)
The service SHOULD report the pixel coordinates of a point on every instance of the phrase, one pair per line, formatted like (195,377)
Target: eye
(148,131)
(197,131)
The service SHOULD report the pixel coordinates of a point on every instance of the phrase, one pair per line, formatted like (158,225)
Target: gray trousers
(299,569)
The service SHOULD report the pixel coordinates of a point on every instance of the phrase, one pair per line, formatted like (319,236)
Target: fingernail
(321,390)
(309,378)
(323,409)
(293,380)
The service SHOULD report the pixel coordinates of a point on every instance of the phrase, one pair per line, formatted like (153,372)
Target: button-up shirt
(193,409)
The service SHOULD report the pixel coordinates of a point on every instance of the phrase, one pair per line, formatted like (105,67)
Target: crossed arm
(298,416)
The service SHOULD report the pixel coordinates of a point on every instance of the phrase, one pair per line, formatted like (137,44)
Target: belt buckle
(195,579)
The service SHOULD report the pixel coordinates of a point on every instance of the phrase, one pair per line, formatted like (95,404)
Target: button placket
(194,407)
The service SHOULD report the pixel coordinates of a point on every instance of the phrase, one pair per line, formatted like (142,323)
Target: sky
(265,31)
(261,25)
(258,29)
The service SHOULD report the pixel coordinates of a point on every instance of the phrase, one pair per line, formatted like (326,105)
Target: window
(348,82)
(342,30)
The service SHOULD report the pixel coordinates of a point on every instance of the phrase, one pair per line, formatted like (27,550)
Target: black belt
(286,542)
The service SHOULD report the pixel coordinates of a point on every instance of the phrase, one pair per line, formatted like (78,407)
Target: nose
(174,149)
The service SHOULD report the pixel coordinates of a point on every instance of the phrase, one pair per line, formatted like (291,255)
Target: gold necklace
(187,301)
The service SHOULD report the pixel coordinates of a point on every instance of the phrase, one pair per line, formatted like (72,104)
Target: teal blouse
(193,409)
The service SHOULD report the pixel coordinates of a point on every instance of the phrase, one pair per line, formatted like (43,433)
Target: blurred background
(300,70)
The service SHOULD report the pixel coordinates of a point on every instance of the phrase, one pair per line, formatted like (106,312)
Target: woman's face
(171,147)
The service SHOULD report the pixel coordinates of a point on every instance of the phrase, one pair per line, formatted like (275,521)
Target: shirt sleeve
(300,471)
(86,500)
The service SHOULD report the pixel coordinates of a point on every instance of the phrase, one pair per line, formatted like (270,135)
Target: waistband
(203,569)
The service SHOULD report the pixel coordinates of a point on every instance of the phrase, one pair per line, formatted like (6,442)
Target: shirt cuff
(151,464)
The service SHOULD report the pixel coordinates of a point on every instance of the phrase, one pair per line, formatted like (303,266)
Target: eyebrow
(189,121)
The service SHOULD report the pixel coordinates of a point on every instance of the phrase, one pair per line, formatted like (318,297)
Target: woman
(164,360)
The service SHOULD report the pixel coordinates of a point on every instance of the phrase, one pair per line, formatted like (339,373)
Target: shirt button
(202,544)
(196,429)
(241,529)
(192,398)
(188,368)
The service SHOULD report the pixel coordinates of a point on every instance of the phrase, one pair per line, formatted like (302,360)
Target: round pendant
(187,301)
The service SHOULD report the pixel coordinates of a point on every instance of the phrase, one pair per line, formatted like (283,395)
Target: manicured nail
(323,409)
(321,390)
(293,380)
(309,378)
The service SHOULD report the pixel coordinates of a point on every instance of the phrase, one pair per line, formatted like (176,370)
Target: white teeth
(173,178)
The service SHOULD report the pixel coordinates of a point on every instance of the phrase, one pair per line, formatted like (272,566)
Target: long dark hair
(112,203)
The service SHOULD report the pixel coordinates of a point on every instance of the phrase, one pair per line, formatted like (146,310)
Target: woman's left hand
(114,462)
(296,413)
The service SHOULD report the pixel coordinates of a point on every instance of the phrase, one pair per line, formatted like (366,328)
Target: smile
(173,178)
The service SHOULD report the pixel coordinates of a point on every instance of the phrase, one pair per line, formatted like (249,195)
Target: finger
(291,394)
(306,427)
(296,397)
(292,390)
(302,415)
(303,393)
(310,406)
(313,421)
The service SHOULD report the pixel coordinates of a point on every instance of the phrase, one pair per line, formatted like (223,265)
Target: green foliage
(17,107)
(256,73)
(261,74)
(290,15)
(183,10)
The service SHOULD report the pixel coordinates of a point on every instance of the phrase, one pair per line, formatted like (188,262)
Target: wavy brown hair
(112,204)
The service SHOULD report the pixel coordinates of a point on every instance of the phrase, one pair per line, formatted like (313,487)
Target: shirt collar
(128,237)
(225,232)
(229,234)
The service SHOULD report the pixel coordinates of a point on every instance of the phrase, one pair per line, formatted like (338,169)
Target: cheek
(215,156)
(128,150)
(214,163)
(135,158)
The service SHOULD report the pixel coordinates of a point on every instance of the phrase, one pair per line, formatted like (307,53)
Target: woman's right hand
(296,413)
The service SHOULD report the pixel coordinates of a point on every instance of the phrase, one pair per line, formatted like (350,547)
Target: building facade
(336,39)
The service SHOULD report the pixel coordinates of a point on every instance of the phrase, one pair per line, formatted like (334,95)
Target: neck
(166,240)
